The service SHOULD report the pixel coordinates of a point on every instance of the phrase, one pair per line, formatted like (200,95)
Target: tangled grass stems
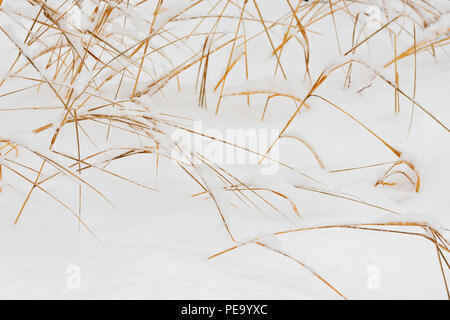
(100,74)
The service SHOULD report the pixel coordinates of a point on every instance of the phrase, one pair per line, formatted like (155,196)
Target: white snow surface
(156,244)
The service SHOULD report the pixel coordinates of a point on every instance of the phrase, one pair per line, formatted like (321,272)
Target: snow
(156,244)
(440,27)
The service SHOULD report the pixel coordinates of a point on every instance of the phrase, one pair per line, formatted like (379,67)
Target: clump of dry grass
(89,69)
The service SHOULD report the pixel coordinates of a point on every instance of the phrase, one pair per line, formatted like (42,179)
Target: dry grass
(54,52)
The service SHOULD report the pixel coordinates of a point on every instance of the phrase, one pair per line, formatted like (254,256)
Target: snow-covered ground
(156,243)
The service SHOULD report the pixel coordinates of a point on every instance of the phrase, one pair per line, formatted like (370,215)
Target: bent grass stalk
(123,68)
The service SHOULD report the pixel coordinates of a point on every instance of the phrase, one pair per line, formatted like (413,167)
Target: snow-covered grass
(224,149)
